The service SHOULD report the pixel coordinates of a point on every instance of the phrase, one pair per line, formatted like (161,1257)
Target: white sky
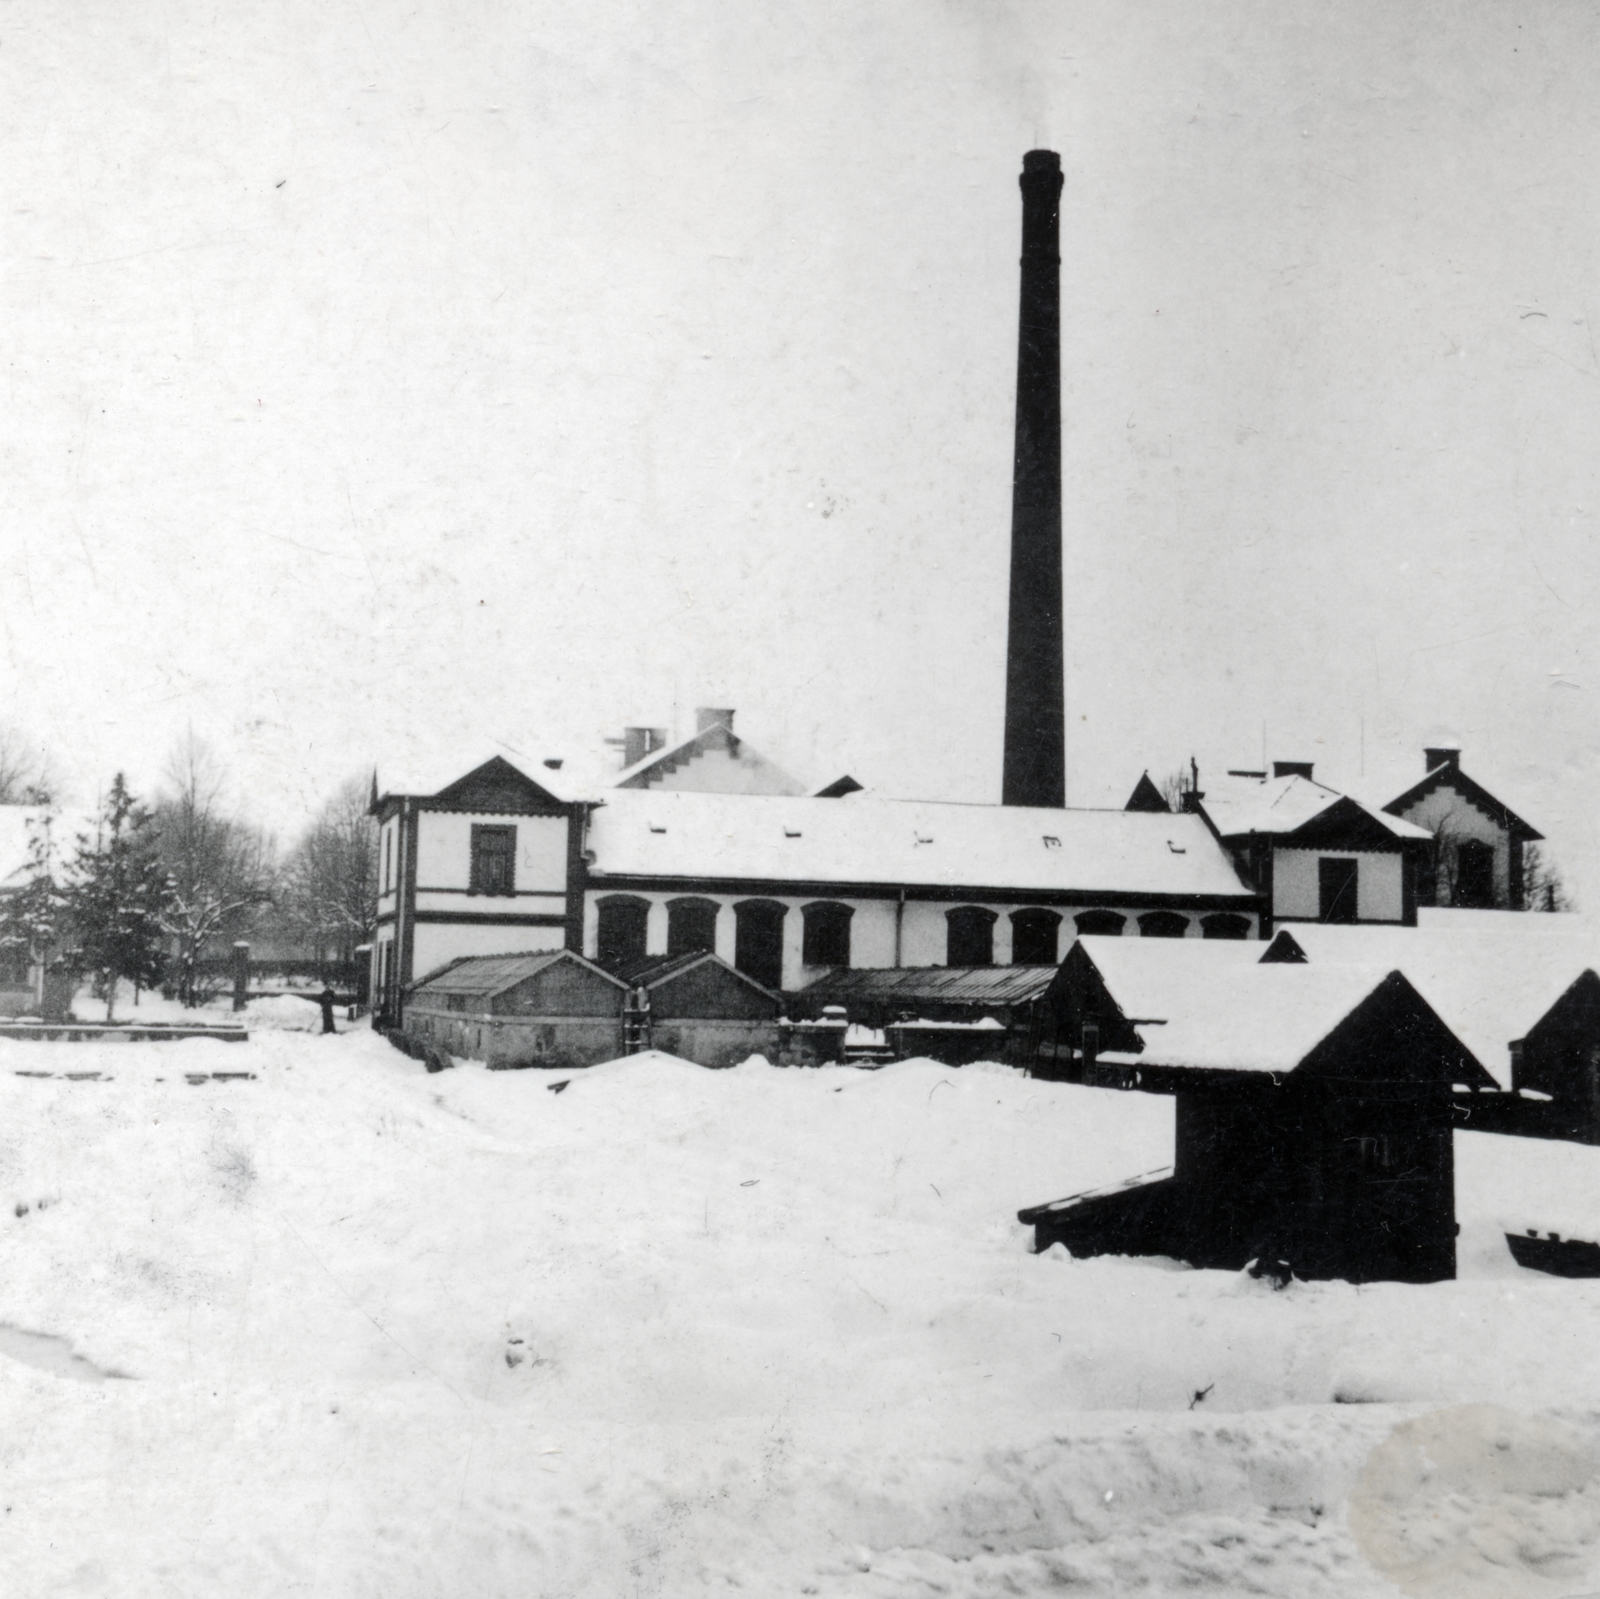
(384,373)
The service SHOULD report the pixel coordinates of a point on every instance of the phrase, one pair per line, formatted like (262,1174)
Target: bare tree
(1543,888)
(219,868)
(27,773)
(331,877)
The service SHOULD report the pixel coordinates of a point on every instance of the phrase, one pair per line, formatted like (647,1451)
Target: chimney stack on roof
(1035,770)
(1443,755)
(637,742)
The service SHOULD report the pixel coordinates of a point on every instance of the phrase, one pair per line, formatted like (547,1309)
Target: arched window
(1035,934)
(1107,924)
(826,939)
(1224,925)
(971,937)
(1163,924)
(691,925)
(622,929)
(1475,874)
(758,940)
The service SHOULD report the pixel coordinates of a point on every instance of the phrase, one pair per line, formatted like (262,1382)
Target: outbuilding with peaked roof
(1313,1112)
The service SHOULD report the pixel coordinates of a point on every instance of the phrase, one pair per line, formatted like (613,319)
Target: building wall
(1445,808)
(1379,884)
(444,852)
(924,930)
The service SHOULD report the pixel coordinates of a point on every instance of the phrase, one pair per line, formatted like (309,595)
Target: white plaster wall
(1445,807)
(924,935)
(444,850)
(438,942)
(1296,891)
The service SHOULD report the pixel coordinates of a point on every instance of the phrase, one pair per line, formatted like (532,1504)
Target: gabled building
(1476,858)
(784,888)
(1313,1112)
(1312,853)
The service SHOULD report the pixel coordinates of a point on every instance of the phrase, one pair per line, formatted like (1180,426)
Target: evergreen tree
(32,919)
(117,893)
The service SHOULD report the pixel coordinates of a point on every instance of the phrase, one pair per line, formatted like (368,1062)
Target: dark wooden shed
(550,1008)
(702,1009)
(1560,1058)
(1313,1114)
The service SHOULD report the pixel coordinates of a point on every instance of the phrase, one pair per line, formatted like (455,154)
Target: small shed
(1518,990)
(1313,1114)
(700,1008)
(1560,1058)
(953,1014)
(550,1008)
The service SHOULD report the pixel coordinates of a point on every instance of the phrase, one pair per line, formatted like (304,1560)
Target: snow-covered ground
(348,1329)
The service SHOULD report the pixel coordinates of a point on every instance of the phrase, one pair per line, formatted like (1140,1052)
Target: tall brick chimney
(1035,750)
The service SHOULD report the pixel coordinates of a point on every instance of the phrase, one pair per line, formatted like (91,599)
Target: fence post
(241,974)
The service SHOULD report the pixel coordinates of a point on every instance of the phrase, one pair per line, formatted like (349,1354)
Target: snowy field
(348,1329)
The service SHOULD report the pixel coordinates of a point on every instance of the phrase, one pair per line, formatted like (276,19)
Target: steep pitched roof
(1488,987)
(495,784)
(1220,1012)
(1449,774)
(1297,808)
(1146,797)
(866,841)
(766,775)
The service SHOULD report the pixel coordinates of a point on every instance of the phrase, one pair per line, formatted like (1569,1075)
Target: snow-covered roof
(488,975)
(1211,1005)
(878,841)
(1488,987)
(579,774)
(1240,805)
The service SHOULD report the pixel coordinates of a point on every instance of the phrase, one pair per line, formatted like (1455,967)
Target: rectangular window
(1336,889)
(494,860)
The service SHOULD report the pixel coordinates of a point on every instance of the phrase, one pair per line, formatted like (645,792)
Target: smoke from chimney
(1035,749)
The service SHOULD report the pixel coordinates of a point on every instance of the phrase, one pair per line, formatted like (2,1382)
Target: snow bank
(670,1331)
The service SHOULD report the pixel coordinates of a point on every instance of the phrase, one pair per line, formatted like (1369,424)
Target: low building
(697,1007)
(551,1009)
(1313,1113)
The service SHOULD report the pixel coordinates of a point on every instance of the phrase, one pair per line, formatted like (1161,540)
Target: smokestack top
(1041,161)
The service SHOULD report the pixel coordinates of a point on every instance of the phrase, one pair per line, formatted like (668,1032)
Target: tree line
(144,891)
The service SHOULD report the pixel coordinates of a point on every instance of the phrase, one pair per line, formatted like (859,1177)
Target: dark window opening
(1377,1154)
(494,860)
(1475,874)
(971,937)
(1102,924)
(1336,890)
(758,940)
(1034,937)
(1163,924)
(691,925)
(1224,925)
(826,937)
(622,930)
